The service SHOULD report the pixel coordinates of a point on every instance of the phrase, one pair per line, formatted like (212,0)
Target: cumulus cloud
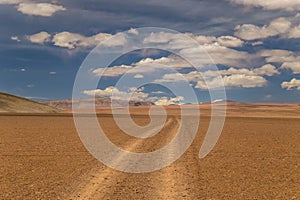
(179,41)
(252,32)
(119,39)
(201,39)
(226,41)
(217,47)
(10,1)
(112,71)
(143,66)
(279,56)
(133,31)
(220,55)
(168,101)
(135,94)
(15,38)
(113,92)
(235,80)
(107,92)
(292,84)
(171,78)
(275,53)
(229,41)
(39,9)
(172,61)
(294,66)
(39,38)
(232,77)
(289,5)
(161,37)
(245,81)
(73,40)
(294,32)
(266,70)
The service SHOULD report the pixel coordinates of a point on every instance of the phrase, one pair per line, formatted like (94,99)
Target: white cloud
(52,73)
(279,56)
(292,84)
(119,39)
(138,76)
(229,41)
(294,66)
(112,71)
(109,92)
(289,5)
(163,101)
(266,70)
(39,9)
(275,53)
(235,80)
(133,31)
(220,55)
(143,66)
(161,37)
(280,25)
(232,77)
(10,1)
(15,38)
(39,38)
(180,41)
(294,32)
(201,39)
(171,78)
(134,94)
(67,39)
(171,61)
(73,40)
(157,92)
(252,32)
(257,43)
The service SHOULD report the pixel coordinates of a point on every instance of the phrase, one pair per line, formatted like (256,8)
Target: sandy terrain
(257,157)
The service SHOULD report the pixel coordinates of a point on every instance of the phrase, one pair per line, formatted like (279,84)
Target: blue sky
(255,45)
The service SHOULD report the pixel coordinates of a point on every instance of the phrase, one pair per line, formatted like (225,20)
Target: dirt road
(163,184)
(42,157)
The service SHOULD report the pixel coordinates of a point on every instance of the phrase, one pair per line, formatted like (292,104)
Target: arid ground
(256,157)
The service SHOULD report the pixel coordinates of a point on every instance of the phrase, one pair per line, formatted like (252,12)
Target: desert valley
(256,157)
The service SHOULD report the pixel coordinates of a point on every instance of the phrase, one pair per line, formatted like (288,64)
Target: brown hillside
(13,104)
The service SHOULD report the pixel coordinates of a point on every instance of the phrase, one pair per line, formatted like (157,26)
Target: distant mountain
(99,103)
(228,102)
(13,104)
(251,104)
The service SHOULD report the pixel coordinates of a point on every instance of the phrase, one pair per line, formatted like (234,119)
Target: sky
(254,47)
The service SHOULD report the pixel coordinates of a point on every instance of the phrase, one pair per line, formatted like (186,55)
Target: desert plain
(257,157)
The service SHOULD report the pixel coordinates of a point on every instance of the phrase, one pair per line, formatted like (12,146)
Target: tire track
(107,182)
